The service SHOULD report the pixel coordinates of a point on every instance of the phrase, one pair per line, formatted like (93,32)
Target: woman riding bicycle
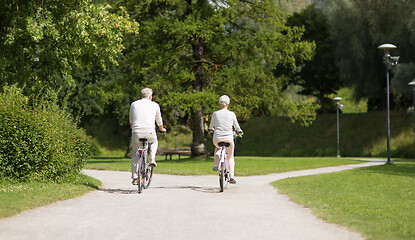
(222,123)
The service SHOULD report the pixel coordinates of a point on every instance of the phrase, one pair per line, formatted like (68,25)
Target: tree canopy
(42,42)
(192,52)
(319,76)
(359,27)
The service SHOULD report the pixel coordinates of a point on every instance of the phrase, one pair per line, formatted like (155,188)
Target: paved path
(177,207)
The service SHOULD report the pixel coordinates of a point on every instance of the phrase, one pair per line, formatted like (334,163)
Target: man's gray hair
(146,92)
(224,101)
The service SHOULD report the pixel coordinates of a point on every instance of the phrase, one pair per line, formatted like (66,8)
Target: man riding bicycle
(222,123)
(143,114)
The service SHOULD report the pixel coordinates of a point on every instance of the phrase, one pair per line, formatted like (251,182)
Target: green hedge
(39,143)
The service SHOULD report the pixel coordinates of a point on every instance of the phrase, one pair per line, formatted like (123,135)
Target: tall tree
(191,52)
(319,76)
(42,42)
(359,27)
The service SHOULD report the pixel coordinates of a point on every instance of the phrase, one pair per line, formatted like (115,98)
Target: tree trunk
(198,146)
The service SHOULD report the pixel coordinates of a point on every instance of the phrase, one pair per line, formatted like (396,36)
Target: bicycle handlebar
(235,133)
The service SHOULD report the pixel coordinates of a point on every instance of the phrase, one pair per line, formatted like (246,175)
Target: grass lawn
(377,201)
(244,166)
(17,197)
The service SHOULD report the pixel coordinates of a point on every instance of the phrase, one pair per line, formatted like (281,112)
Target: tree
(403,74)
(191,52)
(42,42)
(319,76)
(359,27)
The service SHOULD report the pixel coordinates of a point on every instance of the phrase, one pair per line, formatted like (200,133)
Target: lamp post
(413,98)
(338,107)
(389,60)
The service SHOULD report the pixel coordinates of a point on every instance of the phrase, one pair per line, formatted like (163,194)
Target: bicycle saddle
(143,139)
(226,144)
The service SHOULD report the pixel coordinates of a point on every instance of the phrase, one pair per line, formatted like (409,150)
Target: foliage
(319,76)
(359,27)
(376,201)
(191,52)
(351,105)
(42,42)
(40,142)
(404,73)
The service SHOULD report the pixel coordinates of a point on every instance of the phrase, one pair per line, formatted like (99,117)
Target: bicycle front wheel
(221,176)
(149,176)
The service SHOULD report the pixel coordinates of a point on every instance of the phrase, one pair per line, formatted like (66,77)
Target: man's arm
(159,119)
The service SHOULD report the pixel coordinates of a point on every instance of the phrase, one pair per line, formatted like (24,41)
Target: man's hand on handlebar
(162,129)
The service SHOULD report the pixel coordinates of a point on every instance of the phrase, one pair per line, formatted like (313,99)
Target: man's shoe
(135,181)
(153,163)
(232,181)
(215,168)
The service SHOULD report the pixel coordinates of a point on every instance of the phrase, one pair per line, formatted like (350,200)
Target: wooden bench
(178,152)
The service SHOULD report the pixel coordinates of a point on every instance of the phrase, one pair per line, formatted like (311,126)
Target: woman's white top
(223,121)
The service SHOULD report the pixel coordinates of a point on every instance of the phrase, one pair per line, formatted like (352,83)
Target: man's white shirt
(143,114)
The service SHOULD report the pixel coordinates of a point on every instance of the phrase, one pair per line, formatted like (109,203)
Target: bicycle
(223,168)
(144,170)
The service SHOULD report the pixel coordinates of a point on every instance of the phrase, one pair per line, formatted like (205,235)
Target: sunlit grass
(16,197)
(244,166)
(376,201)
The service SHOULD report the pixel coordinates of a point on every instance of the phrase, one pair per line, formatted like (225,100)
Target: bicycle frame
(144,173)
(223,169)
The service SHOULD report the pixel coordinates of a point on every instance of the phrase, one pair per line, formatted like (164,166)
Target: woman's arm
(236,124)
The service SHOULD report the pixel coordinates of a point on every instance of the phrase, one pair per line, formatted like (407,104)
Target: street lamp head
(394,60)
(387,47)
(337,98)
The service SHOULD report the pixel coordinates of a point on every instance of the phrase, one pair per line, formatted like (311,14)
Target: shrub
(40,142)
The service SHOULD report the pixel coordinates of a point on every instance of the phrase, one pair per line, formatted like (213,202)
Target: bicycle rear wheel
(221,176)
(140,184)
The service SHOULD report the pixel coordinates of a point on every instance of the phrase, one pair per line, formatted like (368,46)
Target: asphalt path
(178,207)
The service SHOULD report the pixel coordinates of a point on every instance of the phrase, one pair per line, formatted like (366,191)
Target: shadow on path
(134,191)
(194,188)
(118,191)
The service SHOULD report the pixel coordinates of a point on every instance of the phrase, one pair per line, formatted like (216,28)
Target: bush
(39,142)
